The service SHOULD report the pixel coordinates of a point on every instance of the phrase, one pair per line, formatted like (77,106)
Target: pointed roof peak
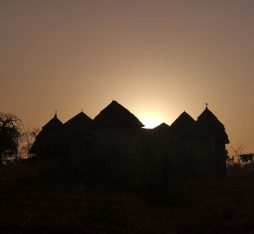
(114,102)
(55,116)
(117,115)
(207,114)
(163,127)
(186,113)
(183,123)
(81,113)
(79,119)
(208,120)
(184,116)
(53,123)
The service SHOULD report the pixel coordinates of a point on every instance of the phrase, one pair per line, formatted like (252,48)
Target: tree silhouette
(27,139)
(9,135)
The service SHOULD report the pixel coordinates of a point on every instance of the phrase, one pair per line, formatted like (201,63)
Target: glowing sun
(150,123)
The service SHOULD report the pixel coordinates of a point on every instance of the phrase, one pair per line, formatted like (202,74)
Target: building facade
(114,148)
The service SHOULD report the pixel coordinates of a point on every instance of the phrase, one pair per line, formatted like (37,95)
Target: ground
(203,206)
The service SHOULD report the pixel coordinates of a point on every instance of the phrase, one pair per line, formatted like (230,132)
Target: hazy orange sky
(157,58)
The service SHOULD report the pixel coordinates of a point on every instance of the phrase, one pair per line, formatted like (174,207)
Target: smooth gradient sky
(156,57)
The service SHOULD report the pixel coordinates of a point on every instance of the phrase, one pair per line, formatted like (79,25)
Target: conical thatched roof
(184,124)
(116,115)
(207,120)
(77,125)
(162,128)
(52,124)
(49,131)
(183,121)
(81,119)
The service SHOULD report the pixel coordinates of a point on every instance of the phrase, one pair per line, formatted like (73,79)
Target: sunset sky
(155,57)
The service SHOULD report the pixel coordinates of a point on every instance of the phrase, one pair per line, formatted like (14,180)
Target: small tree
(28,137)
(9,135)
(236,152)
(239,156)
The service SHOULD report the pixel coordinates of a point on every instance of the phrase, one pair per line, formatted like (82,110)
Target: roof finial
(55,113)
(206,105)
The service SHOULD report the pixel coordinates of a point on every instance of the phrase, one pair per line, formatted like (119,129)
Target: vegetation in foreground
(215,206)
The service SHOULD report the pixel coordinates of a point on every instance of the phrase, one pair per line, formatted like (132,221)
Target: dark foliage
(9,135)
(247,157)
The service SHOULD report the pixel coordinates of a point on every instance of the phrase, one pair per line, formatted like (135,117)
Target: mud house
(115,148)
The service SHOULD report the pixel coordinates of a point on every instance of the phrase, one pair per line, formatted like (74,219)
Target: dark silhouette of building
(78,125)
(115,115)
(48,138)
(184,126)
(212,129)
(114,148)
